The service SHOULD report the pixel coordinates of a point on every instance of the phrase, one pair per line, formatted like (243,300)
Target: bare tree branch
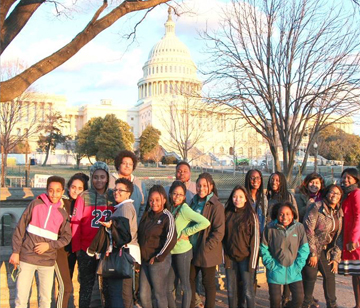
(15,86)
(285,67)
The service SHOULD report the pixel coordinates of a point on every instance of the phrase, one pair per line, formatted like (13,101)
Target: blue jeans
(154,277)
(240,285)
(180,269)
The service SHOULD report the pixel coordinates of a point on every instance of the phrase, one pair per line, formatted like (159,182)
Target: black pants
(117,293)
(72,261)
(297,294)
(309,278)
(208,280)
(62,274)
(87,271)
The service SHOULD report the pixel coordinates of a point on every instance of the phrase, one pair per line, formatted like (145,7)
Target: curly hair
(129,185)
(125,153)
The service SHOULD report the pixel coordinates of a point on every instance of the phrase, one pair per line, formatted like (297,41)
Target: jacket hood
(45,198)
(99,165)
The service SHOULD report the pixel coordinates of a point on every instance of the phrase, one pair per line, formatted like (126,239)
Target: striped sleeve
(171,237)
(254,244)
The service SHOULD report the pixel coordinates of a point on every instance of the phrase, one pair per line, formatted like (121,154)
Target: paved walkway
(343,284)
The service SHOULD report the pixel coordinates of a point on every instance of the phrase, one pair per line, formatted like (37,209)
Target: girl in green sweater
(188,222)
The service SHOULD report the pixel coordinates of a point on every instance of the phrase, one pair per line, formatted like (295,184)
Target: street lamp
(315,145)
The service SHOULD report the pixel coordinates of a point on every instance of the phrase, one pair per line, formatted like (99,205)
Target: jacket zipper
(48,216)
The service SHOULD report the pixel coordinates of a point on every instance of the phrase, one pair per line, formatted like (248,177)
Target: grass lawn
(149,175)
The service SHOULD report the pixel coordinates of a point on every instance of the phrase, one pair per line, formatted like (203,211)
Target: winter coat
(42,221)
(208,250)
(156,235)
(303,203)
(284,252)
(351,208)
(90,208)
(241,240)
(319,223)
(120,235)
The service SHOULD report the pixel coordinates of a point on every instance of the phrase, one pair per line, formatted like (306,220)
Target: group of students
(176,232)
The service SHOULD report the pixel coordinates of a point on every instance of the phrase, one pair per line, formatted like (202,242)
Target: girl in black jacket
(157,237)
(241,247)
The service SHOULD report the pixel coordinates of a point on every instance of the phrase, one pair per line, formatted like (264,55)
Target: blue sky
(110,66)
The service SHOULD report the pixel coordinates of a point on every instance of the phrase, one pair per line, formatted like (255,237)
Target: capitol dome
(169,68)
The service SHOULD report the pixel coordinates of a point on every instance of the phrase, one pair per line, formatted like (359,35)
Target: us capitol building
(169,98)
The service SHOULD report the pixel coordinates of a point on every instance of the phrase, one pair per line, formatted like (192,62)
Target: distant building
(169,98)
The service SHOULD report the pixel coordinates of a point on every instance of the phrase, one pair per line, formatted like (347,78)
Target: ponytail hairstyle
(210,181)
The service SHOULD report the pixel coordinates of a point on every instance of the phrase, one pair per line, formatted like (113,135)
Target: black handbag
(118,264)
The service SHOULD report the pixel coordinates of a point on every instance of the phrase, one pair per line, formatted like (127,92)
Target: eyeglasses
(127,164)
(334,193)
(255,178)
(177,195)
(15,273)
(120,190)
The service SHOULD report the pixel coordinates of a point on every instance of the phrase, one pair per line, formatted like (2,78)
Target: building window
(132,119)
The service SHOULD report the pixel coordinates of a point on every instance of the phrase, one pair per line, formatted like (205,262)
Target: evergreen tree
(104,138)
(149,139)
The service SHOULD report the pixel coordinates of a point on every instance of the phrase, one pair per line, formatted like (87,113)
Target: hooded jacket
(42,221)
(284,252)
(90,208)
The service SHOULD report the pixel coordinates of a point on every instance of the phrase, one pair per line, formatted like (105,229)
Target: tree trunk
(47,155)
(3,166)
(78,160)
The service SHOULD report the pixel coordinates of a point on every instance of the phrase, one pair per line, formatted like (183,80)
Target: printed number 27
(98,214)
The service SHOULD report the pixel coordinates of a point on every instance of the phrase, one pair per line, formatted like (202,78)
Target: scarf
(347,190)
